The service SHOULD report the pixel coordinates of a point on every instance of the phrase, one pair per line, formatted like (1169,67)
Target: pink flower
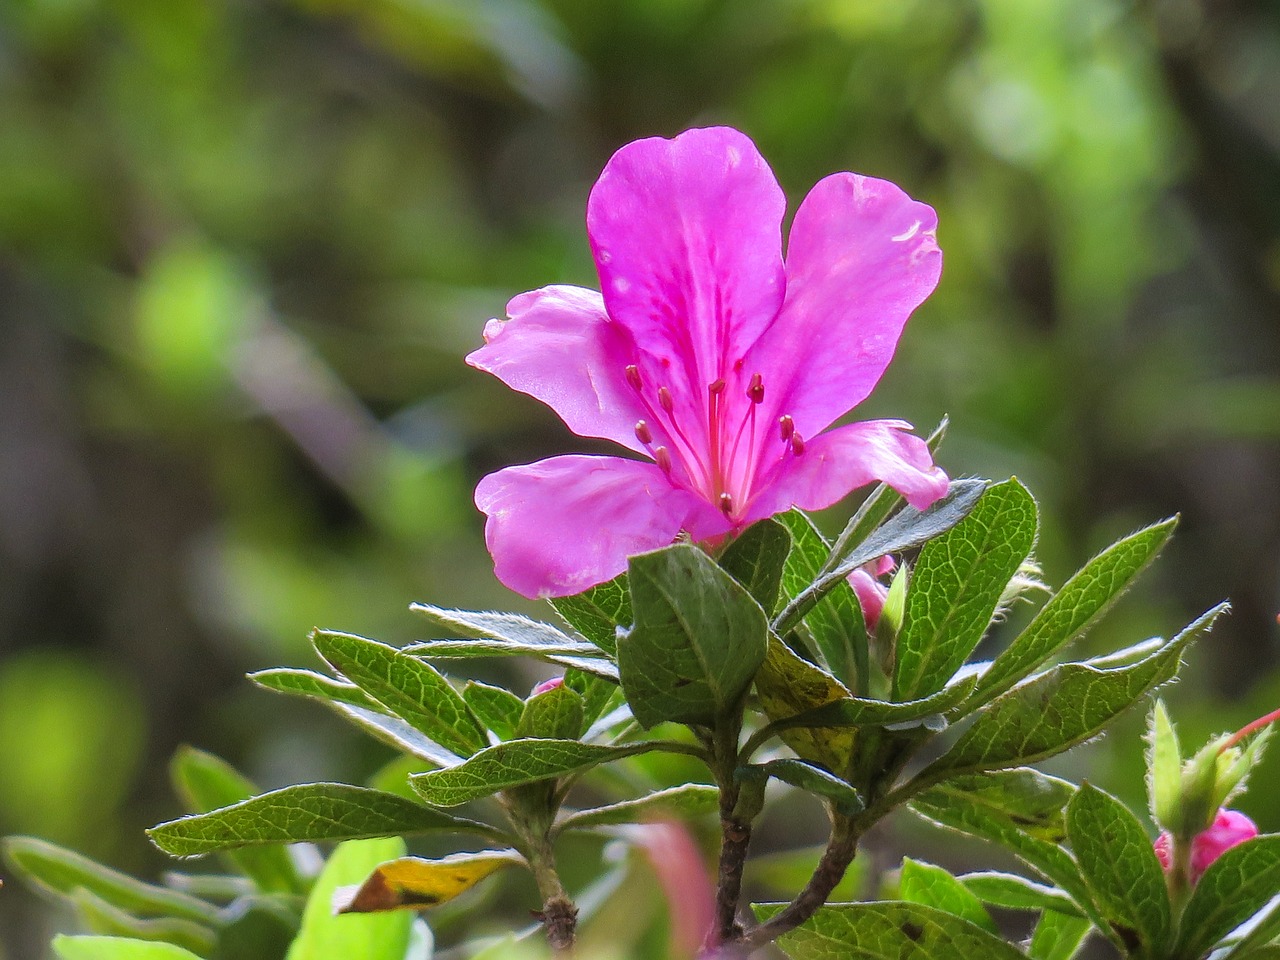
(871,592)
(682,874)
(709,355)
(1229,828)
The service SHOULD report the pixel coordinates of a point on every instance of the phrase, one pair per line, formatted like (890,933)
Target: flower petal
(559,526)
(686,235)
(849,457)
(560,347)
(861,257)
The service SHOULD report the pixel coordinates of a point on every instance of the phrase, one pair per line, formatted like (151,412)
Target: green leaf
(859,712)
(1075,608)
(1061,707)
(698,640)
(553,715)
(308,812)
(61,872)
(1164,768)
(835,622)
(956,585)
(1120,866)
(597,613)
(117,948)
(683,803)
(513,764)
(598,695)
(517,634)
(910,528)
(101,917)
(1235,887)
(816,780)
(414,883)
(932,886)
(755,559)
(326,936)
(1012,892)
(1057,936)
(206,783)
(408,687)
(890,930)
(789,686)
(498,709)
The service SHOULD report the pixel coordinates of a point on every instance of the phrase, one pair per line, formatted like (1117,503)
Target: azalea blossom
(1229,828)
(709,355)
(871,591)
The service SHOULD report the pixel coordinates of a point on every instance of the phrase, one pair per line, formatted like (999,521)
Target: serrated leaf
(61,872)
(909,528)
(207,783)
(414,883)
(513,764)
(1069,614)
(755,559)
(814,779)
(101,917)
(683,802)
(305,813)
(117,948)
(1235,887)
(553,715)
(788,686)
(325,936)
(410,688)
(1062,707)
(956,586)
(889,930)
(530,638)
(498,709)
(835,622)
(597,613)
(1120,866)
(932,886)
(1012,892)
(1057,936)
(698,639)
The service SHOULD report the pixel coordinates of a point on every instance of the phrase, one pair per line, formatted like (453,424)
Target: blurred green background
(244,245)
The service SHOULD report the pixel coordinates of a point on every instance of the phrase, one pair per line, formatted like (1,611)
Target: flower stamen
(643,433)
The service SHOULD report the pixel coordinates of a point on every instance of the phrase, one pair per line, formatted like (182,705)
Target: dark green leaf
(308,812)
(889,930)
(1057,936)
(1018,893)
(598,695)
(99,916)
(932,886)
(117,948)
(858,712)
(308,683)
(408,687)
(515,763)
(755,560)
(698,640)
(597,613)
(1235,887)
(1064,706)
(61,873)
(1120,866)
(814,779)
(956,585)
(683,803)
(1075,608)
(787,686)
(553,715)
(516,634)
(498,709)
(910,528)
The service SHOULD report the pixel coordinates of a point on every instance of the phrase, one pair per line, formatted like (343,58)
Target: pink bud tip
(546,686)
(1229,828)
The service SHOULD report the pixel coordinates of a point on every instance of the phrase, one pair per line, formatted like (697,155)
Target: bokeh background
(245,244)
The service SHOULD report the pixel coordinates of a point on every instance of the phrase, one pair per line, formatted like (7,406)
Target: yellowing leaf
(412,883)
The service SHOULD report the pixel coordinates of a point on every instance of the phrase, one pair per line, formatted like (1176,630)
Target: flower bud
(1229,828)
(546,686)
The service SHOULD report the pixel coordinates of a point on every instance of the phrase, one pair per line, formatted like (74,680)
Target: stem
(558,914)
(735,834)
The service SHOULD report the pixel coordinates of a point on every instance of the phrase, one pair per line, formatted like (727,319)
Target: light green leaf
(206,783)
(117,948)
(1057,936)
(1062,707)
(597,613)
(530,638)
(308,812)
(101,917)
(698,640)
(62,872)
(755,559)
(1235,887)
(513,764)
(1075,608)
(553,715)
(1120,866)
(956,585)
(1164,768)
(309,683)
(859,712)
(932,886)
(326,936)
(683,803)
(1012,892)
(408,687)
(498,709)
(789,686)
(816,780)
(890,930)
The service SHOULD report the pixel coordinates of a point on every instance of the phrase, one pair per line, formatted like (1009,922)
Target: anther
(643,433)
(786,427)
(726,504)
(797,444)
(755,390)
(663,458)
(664,399)
(717,387)
(633,377)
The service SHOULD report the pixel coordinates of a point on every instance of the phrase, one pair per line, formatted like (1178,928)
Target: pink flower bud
(1229,828)
(871,592)
(546,686)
